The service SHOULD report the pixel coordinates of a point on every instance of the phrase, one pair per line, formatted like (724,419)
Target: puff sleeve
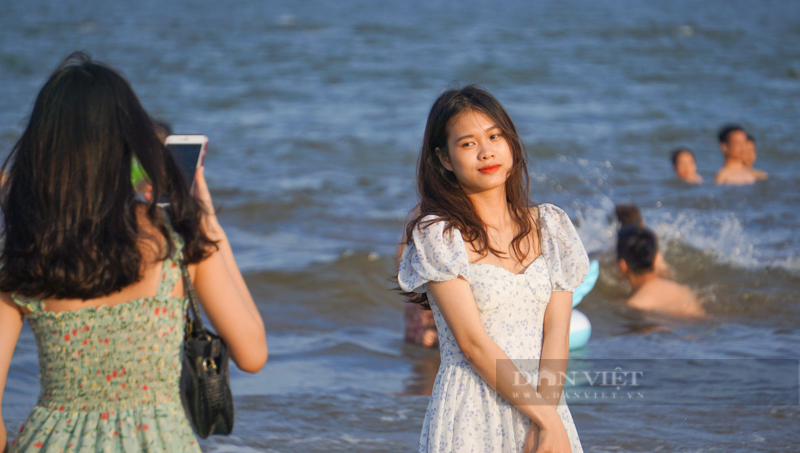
(433,256)
(562,249)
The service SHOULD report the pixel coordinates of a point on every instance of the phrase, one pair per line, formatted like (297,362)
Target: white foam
(226,448)
(719,234)
(596,232)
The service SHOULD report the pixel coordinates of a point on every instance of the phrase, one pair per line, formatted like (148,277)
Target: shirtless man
(733,144)
(637,249)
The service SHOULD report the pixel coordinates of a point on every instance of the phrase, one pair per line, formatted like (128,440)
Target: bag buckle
(206,363)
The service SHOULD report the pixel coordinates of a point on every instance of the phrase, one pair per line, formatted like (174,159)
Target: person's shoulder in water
(666,296)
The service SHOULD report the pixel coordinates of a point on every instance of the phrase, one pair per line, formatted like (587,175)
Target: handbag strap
(196,324)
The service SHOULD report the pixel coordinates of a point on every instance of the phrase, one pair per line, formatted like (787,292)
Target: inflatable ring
(580,329)
(588,283)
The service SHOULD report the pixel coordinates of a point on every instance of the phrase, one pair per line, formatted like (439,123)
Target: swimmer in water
(637,251)
(685,166)
(750,159)
(630,214)
(733,144)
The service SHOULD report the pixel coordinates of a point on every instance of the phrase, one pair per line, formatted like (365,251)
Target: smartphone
(189,151)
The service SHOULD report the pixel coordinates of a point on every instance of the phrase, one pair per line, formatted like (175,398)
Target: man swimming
(637,251)
(630,214)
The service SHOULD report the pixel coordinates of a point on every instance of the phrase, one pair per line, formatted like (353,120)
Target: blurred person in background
(750,159)
(685,166)
(97,273)
(637,251)
(630,214)
(733,145)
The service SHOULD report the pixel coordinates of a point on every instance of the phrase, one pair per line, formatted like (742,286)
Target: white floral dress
(465,414)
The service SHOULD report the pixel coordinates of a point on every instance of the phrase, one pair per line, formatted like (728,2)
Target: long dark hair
(68,204)
(441,194)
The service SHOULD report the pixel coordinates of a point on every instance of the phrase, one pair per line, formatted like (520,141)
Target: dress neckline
(515,274)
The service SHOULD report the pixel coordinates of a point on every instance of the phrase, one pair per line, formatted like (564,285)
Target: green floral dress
(110,375)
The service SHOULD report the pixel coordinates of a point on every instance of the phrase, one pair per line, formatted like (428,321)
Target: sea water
(315,112)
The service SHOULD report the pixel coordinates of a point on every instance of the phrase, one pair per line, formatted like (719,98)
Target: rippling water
(315,112)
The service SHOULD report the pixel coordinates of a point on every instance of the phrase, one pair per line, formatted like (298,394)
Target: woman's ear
(444,158)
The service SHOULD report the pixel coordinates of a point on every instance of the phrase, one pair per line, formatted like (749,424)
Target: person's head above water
(685,165)
(629,214)
(68,202)
(733,141)
(471,147)
(637,248)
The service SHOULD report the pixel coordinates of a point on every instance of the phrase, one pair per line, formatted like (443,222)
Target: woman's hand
(209,221)
(532,439)
(552,438)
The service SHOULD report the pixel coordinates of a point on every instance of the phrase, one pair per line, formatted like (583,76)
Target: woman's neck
(492,207)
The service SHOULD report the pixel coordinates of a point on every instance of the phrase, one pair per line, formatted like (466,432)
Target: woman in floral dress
(97,274)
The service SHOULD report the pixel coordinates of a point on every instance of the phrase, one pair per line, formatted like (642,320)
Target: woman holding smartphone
(498,272)
(97,274)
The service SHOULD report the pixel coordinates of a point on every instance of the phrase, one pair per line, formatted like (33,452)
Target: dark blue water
(315,112)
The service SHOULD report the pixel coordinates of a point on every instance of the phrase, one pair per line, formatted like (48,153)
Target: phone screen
(186,157)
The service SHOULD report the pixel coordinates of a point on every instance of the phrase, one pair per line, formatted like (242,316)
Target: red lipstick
(489,169)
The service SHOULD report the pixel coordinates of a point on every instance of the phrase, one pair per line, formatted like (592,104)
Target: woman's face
(685,166)
(477,152)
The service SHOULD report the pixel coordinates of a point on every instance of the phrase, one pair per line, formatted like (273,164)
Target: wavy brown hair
(69,208)
(442,196)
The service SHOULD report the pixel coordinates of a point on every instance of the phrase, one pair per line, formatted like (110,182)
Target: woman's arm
(224,295)
(10,327)
(457,304)
(555,344)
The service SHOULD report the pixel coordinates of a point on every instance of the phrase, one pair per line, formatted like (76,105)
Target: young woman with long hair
(97,273)
(498,272)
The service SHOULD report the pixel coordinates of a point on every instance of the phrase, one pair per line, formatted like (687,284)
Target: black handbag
(205,376)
